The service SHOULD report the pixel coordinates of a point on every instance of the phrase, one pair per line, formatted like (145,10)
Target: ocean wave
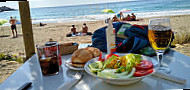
(105,16)
(163,13)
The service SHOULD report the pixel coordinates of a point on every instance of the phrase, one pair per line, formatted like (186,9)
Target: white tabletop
(30,72)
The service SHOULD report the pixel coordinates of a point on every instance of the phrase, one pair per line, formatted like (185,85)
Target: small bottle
(110,37)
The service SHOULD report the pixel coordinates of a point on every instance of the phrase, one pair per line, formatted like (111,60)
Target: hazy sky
(51,3)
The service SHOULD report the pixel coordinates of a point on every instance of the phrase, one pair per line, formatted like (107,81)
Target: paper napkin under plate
(169,77)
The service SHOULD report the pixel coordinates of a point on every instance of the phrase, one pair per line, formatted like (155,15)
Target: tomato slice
(111,55)
(145,64)
(139,73)
(100,57)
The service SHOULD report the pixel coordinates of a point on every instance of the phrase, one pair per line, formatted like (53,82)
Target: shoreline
(92,18)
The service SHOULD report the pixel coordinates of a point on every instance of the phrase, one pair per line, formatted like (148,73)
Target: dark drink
(49,65)
(49,58)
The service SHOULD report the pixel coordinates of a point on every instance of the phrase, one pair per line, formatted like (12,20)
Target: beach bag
(137,38)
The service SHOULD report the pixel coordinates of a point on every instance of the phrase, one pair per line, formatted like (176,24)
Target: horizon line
(87,4)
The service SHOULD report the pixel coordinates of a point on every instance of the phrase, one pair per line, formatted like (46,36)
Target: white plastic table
(30,72)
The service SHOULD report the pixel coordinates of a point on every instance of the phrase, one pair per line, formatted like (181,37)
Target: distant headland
(4,8)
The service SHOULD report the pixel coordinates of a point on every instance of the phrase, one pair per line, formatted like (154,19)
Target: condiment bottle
(110,37)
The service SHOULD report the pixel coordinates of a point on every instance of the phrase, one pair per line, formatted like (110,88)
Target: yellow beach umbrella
(2,21)
(108,11)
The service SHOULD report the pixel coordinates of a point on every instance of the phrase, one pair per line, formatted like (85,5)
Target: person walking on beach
(13,26)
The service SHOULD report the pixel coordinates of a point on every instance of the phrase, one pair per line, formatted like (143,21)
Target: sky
(53,3)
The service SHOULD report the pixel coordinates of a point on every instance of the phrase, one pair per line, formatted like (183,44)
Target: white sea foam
(163,13)
(105,16)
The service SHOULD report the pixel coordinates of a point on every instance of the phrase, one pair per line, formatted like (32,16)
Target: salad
(128,66)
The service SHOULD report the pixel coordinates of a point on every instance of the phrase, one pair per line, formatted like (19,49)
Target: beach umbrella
(2,21)
(108,11)
(125,10)
(18,22)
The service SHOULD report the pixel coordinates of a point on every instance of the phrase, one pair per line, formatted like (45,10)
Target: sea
(92,12)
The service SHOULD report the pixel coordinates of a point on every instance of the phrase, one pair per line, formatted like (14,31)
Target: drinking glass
(159,34)
(48,57)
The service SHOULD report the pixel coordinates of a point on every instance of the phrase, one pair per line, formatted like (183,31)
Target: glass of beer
(159,34)
(48,57)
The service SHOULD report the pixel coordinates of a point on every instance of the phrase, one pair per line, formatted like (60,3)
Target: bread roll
(81,56)
(78,65)
(94,51)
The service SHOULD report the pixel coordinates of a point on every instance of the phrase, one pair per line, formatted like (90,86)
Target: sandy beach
(57,31)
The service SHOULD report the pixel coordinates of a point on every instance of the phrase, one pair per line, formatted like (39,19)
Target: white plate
(70,66)
(121,81)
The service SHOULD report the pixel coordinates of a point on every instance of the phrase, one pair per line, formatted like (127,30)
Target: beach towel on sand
(136,41)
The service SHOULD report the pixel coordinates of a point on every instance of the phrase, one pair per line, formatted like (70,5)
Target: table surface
(30,72)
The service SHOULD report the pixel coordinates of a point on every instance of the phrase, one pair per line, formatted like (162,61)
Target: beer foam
(159,27)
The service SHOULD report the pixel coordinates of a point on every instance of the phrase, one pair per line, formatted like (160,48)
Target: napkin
(68,84)
(169,77)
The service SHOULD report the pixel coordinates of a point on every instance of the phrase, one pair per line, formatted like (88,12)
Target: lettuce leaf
(110,73)
(100,64)
(132,60)
(106,62)
(96,67)
(122,74)
(129,75)
(107,73)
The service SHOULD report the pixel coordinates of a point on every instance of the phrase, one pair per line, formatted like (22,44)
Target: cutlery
(169,77)
(25,86)
(69,84)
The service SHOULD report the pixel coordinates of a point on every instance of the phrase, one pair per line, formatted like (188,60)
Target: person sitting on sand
(128,18)
(13,26)
(41,24)
(73,30)
(85,30)
(133,17)
(115,19)
(120,16)
(106,21)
